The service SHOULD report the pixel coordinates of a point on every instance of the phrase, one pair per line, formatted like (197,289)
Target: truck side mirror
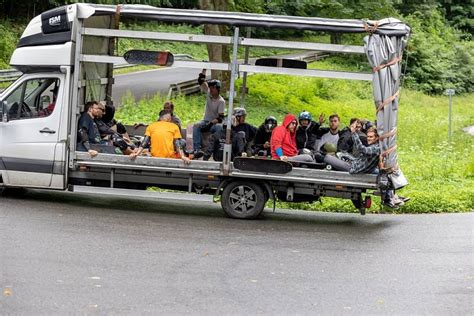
(4,112)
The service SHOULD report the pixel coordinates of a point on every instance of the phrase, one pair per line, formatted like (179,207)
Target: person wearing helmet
(217,142)
(283,142)
(244,132)
(213,113)
(306,134)
(262,137)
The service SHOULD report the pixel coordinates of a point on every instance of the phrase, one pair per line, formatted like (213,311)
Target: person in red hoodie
(283,142)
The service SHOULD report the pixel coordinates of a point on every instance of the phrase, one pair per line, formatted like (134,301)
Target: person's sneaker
(403,199)
(390,203)
(397,201)
(198,154)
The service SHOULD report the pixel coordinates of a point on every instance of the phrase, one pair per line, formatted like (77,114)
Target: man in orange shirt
(164,138)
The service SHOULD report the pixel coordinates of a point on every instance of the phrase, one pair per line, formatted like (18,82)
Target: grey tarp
(147,12)
(384,53)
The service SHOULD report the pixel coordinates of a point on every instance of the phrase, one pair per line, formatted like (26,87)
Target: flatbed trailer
(74,48)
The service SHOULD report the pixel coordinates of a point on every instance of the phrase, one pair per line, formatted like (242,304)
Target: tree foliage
(440,51)
(438,57)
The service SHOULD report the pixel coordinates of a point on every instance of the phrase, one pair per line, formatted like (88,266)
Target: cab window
(34,98)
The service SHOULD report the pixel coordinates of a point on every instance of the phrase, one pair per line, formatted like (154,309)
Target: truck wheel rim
(243,199)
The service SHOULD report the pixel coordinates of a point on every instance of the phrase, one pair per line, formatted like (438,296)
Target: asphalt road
(147,83)
(65,253)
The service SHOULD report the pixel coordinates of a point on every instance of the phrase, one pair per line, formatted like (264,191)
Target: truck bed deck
(211,169)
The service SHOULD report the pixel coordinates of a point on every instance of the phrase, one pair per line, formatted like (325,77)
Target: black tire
(12,192)
(243,200)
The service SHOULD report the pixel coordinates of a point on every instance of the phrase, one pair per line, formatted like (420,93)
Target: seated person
(283,142)
(262,137)
(50,108)
(213,114)
(345,144)
(367,161)
(246,131)
(217,142)
(328,134)
(169,106)
(307,131)
(164,138)
(109,129)
(88,132)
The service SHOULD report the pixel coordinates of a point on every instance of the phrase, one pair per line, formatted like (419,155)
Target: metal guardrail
(9,75)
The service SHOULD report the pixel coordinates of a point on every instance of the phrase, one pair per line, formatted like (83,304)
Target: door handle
(47,131)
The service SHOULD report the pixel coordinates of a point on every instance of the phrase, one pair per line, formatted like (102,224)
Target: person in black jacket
(345,144)
(307,131)
(261,145)
(243,130)
(217,142)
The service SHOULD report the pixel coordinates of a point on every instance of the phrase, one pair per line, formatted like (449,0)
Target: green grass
(441,173)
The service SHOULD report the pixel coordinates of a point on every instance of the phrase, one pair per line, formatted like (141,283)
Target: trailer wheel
(243,200)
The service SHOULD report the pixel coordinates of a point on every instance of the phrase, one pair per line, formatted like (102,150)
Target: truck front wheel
(243,200)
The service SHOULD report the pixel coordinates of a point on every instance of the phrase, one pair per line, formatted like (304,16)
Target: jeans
(197,132)
(301,158)
(336,163)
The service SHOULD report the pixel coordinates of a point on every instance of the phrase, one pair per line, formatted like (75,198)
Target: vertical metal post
(450,93)
(233,72)
(244,78)
(75,89)
(112,177)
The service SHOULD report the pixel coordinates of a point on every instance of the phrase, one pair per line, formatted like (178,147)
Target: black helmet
(239,112)
(214,82)
(305,115)
(270,122)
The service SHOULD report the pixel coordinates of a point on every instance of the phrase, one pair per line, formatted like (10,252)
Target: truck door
(29,131)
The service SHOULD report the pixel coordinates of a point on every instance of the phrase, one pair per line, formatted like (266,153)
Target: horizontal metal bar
(227,40)
(186,64)
(303,45)
(179,37)
(307,72)
(141,167)
(295,179)
(127,193)
(103,81)
(202,65)
(103,59)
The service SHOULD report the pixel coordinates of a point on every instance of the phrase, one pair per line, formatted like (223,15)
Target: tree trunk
(217,52)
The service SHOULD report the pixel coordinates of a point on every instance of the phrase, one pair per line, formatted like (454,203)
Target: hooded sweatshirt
(282,138)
